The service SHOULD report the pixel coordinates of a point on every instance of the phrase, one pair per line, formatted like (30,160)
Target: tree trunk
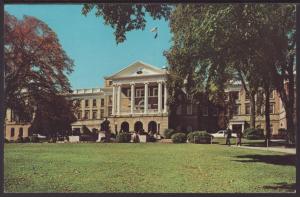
(252,109)
(267,113)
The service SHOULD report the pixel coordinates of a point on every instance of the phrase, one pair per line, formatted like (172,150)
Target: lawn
(151,167)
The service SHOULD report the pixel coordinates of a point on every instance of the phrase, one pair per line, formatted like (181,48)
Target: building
(135,98)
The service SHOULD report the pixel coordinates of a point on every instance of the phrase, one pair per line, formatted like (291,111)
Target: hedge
(201,137)
(179,138)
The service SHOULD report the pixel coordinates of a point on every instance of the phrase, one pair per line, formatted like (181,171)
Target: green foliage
(179,138)
(126,17)
(199,137)
(254,133)
(123,137)
(6,140)
(168,133)
(33,139)
(26,140)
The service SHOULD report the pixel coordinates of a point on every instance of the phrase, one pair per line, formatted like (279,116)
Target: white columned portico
(159,96)
(132,97)
(114,100)
(119,99)
(165,97)
(146,98)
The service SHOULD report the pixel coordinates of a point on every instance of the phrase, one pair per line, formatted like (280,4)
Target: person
(228,137)
(239,138)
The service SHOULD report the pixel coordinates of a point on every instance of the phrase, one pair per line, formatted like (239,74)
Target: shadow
(262,143)
(285,160)
(282,186)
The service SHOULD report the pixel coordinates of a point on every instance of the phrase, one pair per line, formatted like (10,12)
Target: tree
(126,17)
(36,69)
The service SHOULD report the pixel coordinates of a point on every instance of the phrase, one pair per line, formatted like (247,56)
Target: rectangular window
(155,91)
(12,132)
(110,100)
(247,96)
(87,114)
(79,116)
(247,108)
(94,114)
(109,111)
(272,94)
(271,108)
(86,103)
(101,113)
(236,110)
(94,102)
(189,109)
(102,102)
(235,95)
(139,93)
(21,132)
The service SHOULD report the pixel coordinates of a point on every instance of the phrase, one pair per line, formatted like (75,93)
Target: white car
(222,133)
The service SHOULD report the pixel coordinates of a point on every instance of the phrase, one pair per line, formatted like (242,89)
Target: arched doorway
(125,126)
(138,126)
(152,126)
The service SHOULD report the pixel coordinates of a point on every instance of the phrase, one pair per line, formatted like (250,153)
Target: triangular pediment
(137,69)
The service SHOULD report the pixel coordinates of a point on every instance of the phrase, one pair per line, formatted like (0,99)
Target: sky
(92,45)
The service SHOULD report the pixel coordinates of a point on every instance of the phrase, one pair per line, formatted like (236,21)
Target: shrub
(123,137)
(34,139)
(179,138)
(20,140)
(168,133)
(282,133)
(201,137)
(26,140)
(254,133)
(85,137)
(6,140)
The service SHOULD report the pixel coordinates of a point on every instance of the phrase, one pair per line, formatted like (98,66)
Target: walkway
(276,149)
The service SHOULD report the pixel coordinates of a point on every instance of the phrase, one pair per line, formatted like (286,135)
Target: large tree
(36,67)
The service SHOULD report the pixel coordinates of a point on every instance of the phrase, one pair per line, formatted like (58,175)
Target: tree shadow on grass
(285,160)
(282,186)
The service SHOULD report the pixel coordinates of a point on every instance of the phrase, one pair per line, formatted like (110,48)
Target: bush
(85,137)
(282,133)
(34,139)
(179,138)
(168,133)
(26,140)
(123,137)
(20,140)
(254,133)
(6,140)
(201,137)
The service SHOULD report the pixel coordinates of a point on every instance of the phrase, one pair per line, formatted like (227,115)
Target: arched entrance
(125,126)
(152,126)
(138,126)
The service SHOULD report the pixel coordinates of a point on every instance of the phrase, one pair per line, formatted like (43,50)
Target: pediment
(138,69)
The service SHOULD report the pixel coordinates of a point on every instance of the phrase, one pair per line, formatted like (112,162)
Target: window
(21,132)
(235,95)
(110,100)
(86,103)
(236,110)
(204,111)
(247,96)
(155,91)
(139,92)
(109,111)
(271,129)
(12,132)
(79,116)
(189,109)
(86,114)
(109,83)
(102,102)
(272,94)
(271,108)
(247,108)
(94,114)
(101,113)
(226,96)
(94,102)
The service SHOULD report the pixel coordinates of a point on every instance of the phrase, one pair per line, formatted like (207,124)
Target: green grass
(151,167)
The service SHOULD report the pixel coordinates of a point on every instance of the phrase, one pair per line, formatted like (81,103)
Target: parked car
(222,133)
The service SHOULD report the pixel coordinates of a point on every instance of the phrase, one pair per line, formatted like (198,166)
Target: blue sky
(92,45)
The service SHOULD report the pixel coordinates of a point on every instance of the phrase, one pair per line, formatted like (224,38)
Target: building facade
(135,99)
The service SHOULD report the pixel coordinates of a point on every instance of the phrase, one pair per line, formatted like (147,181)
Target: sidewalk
(276,149)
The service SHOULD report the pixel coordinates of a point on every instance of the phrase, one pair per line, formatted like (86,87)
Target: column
(113,100)
(146,98)
(165,97)
(159,96)
(132,97)
(119,99)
